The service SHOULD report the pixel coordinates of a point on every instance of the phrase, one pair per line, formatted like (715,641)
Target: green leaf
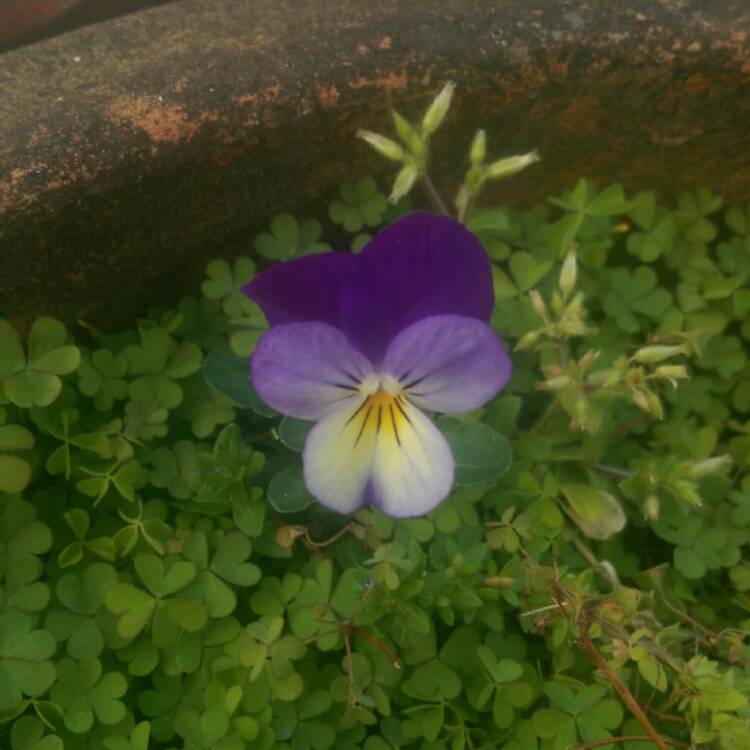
(289,238)
(15,474)
(28,733)
(287,492)
(294,432)
(526,271)
(12,359)
(481,454)
(230,375)
(598,513)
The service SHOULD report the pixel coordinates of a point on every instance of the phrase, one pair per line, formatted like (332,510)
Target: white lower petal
(380,448)
(411,475)
(337,464)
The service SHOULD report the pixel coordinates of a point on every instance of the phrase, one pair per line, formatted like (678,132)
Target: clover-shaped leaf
(228,565)
(34,379)
(86,694)
(135,607)
(289,238)
(587,714)
(138,739)
(85,594)
(658,228)
(693,212)
(635,293)
(176,469)
(25,666)
(28,733)
(361,205)
(79,522)
(15,471)
(22,540)
(102,377)
(224,281)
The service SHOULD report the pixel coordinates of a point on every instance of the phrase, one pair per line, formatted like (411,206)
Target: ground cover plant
(168,582)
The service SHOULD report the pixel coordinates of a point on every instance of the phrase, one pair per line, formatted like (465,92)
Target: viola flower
(362,344)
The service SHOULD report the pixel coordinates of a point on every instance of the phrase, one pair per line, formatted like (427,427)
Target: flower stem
(433,194)
(584,623)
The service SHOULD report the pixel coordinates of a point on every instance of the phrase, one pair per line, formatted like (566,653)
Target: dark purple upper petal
(422,265)
(307,288)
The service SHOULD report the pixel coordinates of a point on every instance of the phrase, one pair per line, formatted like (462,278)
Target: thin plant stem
(605,571)
(584,623)
(612,471)
(433,194)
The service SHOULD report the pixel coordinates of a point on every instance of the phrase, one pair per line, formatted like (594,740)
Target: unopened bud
(409,135)
(462,199)
(554,384)
(640,400)
(437,111)
(498,582)
(671,372)
(658,353)
(651,507)
(654,405)
(285,535)
(709,466)
(604,378)
(568,274)
(478,148)
(404,182)
(588,359)
(528,339)
(538,304)
(384,146)
(580,414)
(510,166)
(685,491)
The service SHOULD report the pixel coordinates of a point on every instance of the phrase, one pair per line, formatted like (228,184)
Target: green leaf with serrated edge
(294,432)
(287,492)
(481,455)
(230,375)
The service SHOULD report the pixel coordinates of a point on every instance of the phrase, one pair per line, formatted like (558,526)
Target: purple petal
(305,369)
(421,265)
(307,288)
(448,363)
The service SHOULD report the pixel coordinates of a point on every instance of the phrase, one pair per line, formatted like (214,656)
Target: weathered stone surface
(132,151)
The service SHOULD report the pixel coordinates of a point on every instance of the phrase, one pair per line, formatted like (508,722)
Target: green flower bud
(385,146)
(478,148)
(507,167)
(437,111)
(538,304)
(404,182)
(498,582)
(685,491)
(709,466)
(654,405)
(528,339)
(658,353)
(568,273)
(671,372)
(409,135)
(651,507)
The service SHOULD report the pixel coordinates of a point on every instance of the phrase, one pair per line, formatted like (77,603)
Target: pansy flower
(365,344)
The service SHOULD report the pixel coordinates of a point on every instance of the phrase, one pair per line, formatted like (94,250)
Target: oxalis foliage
(167,582)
